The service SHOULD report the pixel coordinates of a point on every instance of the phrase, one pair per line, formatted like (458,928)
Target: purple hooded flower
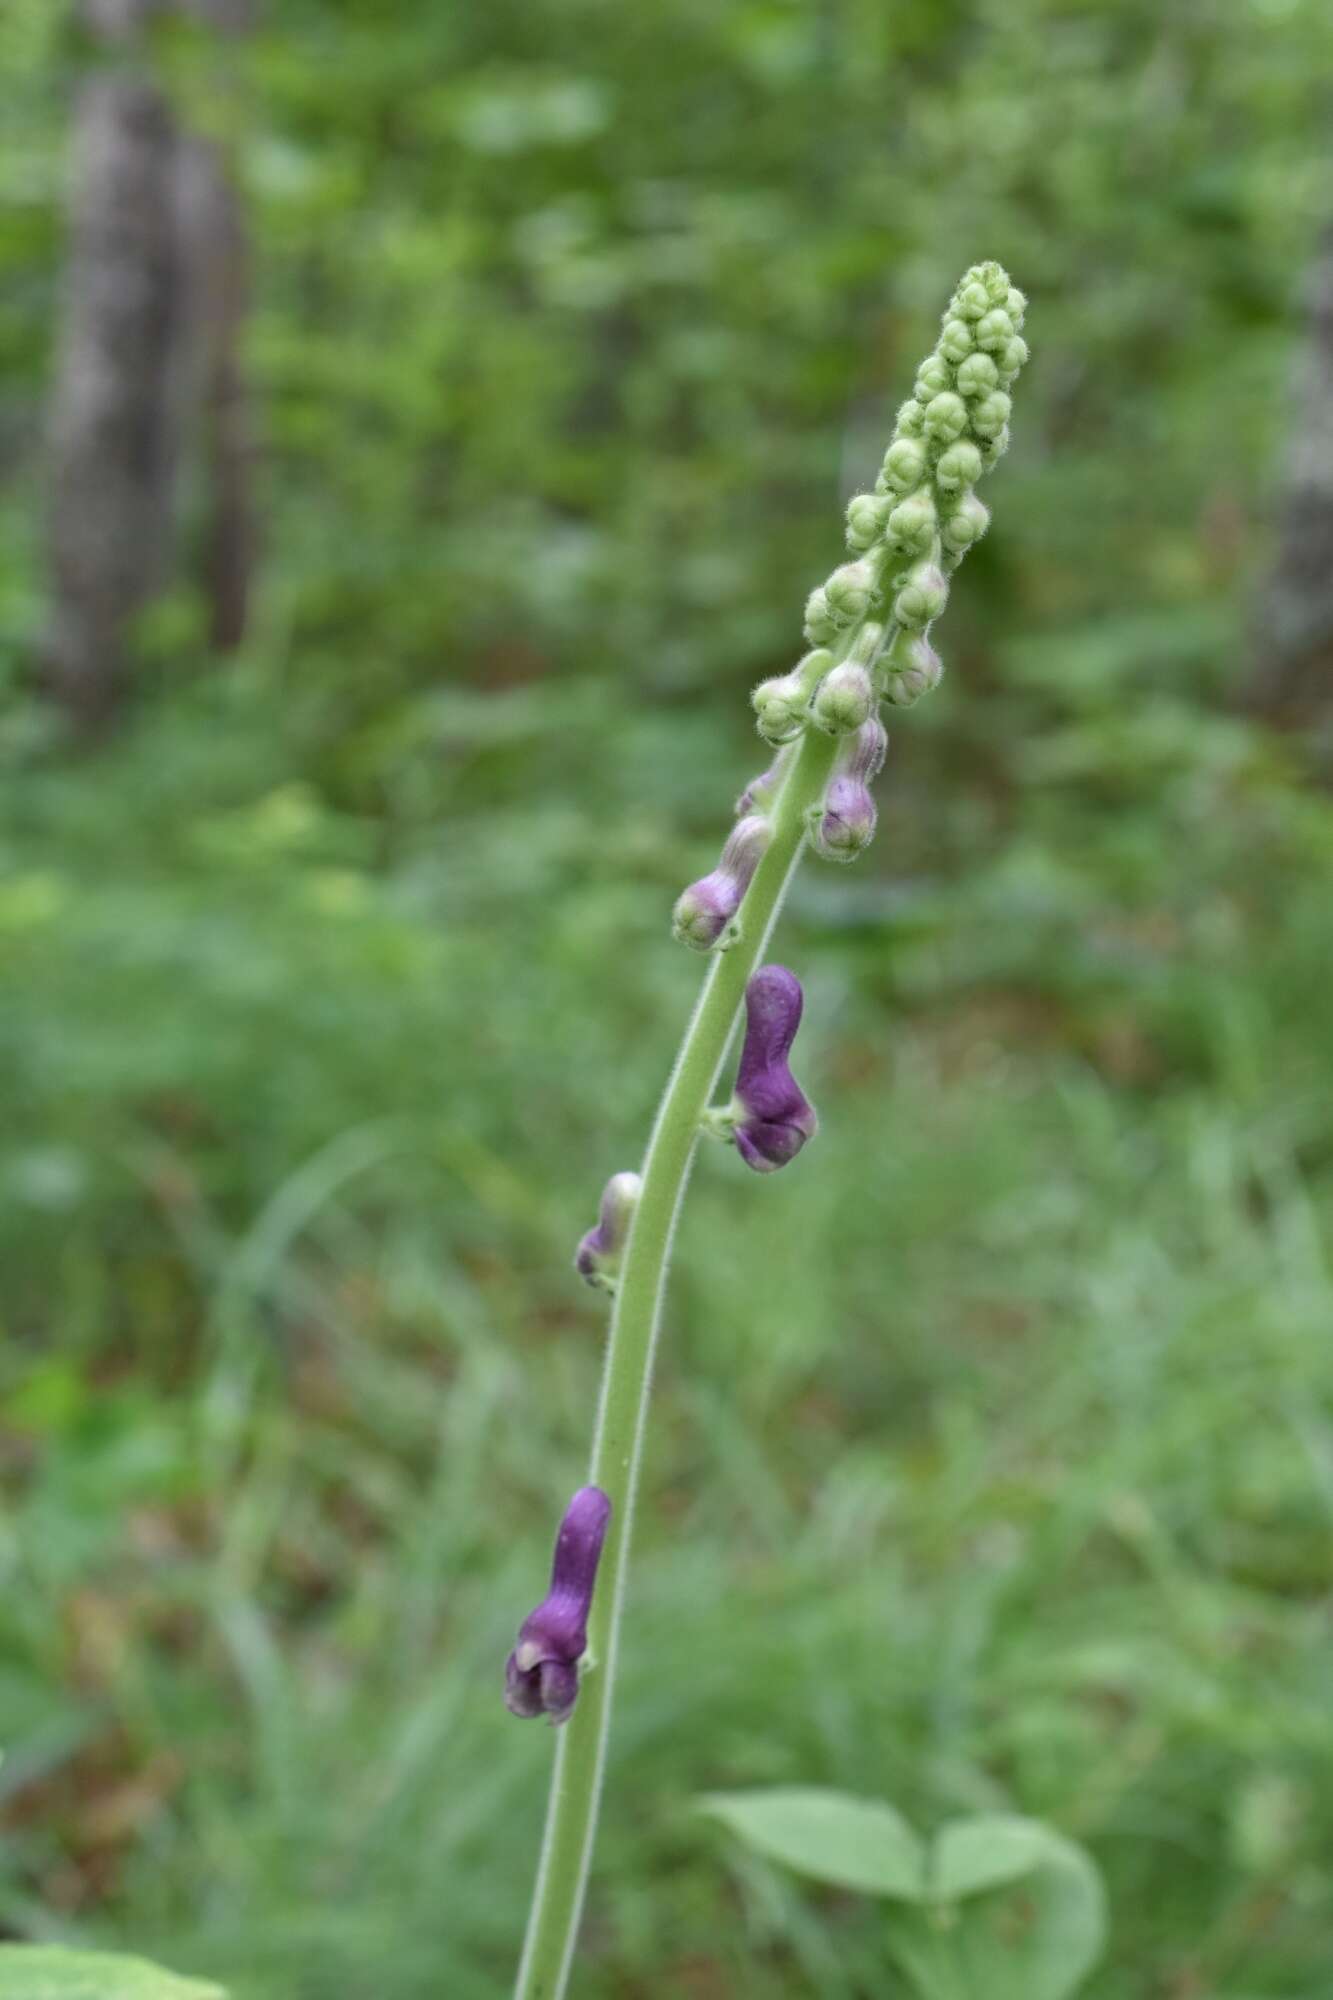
(773,1117)
(599,1253)
(542,1672)
(705,909)
(846,822)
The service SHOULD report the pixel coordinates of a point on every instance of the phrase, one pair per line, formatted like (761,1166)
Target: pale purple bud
(773,1118)
(912,669)
(599,1253)
(541,1674)
(846,822)
(760,793)
(704,910)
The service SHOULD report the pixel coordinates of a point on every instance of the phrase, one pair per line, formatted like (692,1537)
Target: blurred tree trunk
(1292,679)
(148,377)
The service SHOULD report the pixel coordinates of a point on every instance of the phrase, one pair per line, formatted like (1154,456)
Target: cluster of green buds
(868,625)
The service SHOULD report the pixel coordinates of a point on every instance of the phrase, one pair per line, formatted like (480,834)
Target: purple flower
(705,909)
(846,822)
(599,1253)
(542,1672)
(773,1117)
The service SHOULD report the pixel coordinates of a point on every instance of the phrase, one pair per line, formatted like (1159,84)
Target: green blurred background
(992,1455)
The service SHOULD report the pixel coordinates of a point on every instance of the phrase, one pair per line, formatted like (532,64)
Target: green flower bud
(996,280)
(946,416)
(932,376)
(821,627)
(956,340)
(849,590)
(993,449)
(904,463)
(967,524)
(911,420)
(1011,358)
(866,515)
(977,375)
(865,647)
(1016,305)
(912,524)
(995,331)
(922,597)
(914,669)
(972,300)
(781,704)
(845,700)
(959,466)
(991,414)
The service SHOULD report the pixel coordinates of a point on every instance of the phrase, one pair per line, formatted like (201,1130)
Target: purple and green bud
(760,793)
(843,825)
(912,669)
(599,1254)
(542,1672)
(772,1117)
(705,909)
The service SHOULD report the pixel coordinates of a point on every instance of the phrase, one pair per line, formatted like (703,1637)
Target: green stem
(571,1819)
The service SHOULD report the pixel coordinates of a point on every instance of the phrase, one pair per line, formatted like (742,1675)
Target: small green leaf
(854,1843)
(969,1855)
(47,1972)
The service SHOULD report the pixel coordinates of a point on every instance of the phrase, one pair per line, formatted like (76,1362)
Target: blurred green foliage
(993,1458)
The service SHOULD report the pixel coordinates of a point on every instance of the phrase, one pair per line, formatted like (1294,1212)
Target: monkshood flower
(599,1253)
(704,910)
(771,1117)
(542,1672)
(843,825)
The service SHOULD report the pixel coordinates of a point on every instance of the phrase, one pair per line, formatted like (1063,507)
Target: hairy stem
(571,1819)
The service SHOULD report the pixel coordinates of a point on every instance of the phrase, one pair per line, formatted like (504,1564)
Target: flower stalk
(867,626)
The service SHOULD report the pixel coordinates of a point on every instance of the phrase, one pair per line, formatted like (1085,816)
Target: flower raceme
(771,1118)
(542,1672)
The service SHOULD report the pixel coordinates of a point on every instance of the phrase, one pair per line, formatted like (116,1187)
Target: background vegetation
(993,1457)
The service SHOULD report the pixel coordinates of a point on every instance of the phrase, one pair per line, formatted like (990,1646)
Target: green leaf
(969,1855)
(1033,1937)
(47,1972)
(831,1836)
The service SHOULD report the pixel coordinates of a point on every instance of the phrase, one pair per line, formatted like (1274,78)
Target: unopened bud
(972,301)
(844,825)
(821,627)
(956,340)
(993,449)
(704,910)
(958,467)
(967,524)
(866,515)
(911,670)
(780,704)
(994,330)
(922,597)
(1012,357)
(849,590)
(760,793)
(977,375)
(990,414)
(904,463)
(599,1254)
(946,416)
(845,700)
(1016,305)
(932,376)
(912,524)
(911,419)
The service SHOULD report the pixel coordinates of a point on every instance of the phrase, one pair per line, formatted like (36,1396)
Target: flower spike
(542,1672)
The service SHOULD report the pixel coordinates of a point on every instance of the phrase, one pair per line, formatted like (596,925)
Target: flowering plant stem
(618,1443)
